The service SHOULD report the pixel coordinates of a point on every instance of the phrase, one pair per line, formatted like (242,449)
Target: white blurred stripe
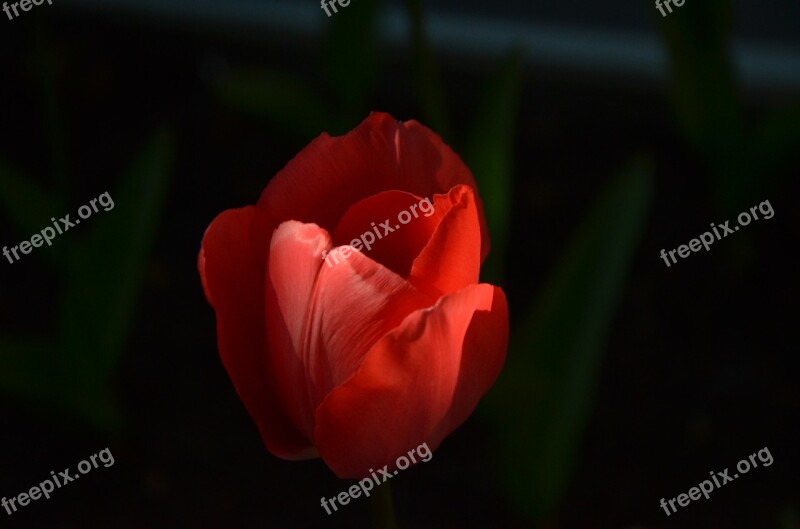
(638,56)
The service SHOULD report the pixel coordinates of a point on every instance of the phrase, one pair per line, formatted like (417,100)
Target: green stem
(383,508)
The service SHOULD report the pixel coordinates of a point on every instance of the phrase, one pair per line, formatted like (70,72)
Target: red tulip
(360,360)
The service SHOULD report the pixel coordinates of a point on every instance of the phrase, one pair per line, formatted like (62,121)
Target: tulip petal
(395,245)
(481,363)
(331,174)
(295,258)
(323,316)
(450,259)
(442,244)
(233,284)
(415,383)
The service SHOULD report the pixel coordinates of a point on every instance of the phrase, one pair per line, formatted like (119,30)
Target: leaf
(776,143)
(281,99)
(27,369)
(489,154)
(25,202)
(105,275)
(544,396)
(708,103)
(29,208)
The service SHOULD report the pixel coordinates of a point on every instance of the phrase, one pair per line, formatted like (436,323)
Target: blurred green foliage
(555,354)
(427,78)
(349,61)
(100,277)
(489,153)
(274,97)
(99,267)
(744,159)
(789,518)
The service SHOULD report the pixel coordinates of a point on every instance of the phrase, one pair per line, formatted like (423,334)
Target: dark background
(693,368)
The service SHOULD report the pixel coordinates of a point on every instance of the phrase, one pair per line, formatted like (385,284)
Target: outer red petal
(234,286)
(415,383)
(481,362)
(381,154)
